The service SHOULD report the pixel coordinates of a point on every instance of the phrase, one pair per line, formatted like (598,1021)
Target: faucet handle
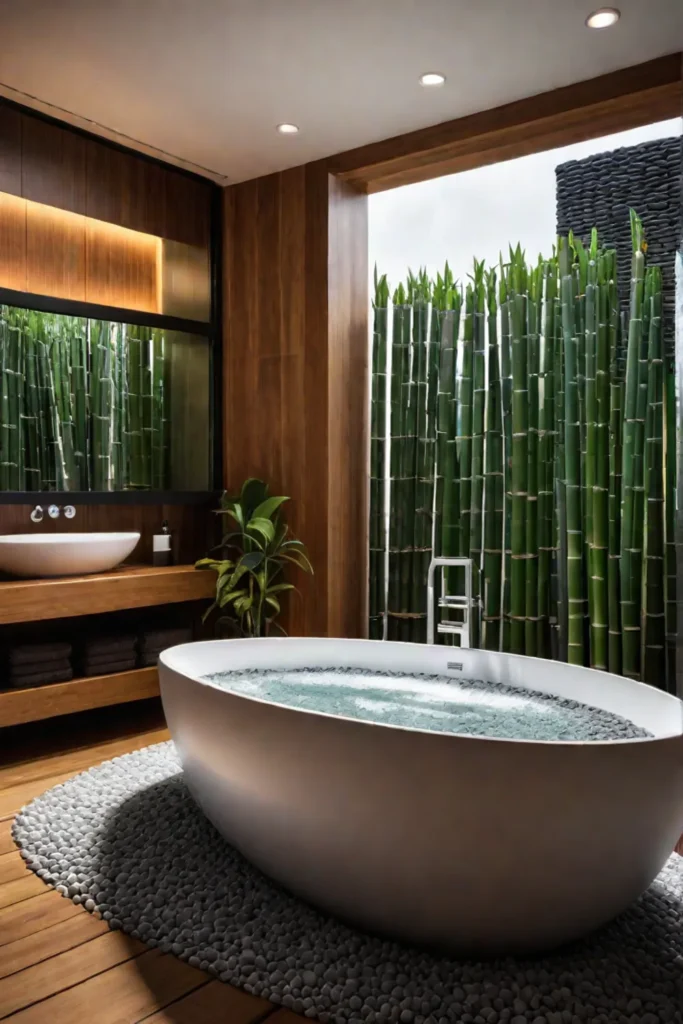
(53,511)
(69,511)
(37,514)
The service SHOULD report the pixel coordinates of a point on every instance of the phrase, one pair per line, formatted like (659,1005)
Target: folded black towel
(103,668)
(40,678)
(110,645)
(160,639)
(149,658)
(37,653)
(58,665)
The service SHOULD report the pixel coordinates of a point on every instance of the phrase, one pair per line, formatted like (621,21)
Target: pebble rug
(126,839)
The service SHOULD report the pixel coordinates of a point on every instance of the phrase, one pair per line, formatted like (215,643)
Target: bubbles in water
(434,703)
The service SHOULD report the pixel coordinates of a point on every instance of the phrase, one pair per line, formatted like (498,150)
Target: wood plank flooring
(61,965)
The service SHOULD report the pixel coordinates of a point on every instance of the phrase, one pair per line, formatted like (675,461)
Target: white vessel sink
(63,554)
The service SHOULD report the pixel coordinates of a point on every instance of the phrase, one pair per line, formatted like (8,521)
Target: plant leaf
(266,509)
(298,558)
(207,563)
(279,587)
(251,560)
(243,604)
(262,526)
(254,492)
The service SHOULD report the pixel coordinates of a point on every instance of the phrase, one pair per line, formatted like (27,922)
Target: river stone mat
(437,703)
(127,839)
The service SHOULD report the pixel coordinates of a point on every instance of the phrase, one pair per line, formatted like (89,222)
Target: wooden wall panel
(125,190)
(12,242)
(55,252)
(122,268)
(53,165)
(187,209)
(296,256)
(58,166)
(348,409)
(10,150)
(49,251)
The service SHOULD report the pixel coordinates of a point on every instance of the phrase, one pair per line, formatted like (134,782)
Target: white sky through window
(478,213)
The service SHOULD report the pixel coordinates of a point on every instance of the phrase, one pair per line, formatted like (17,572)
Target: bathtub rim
(168,659)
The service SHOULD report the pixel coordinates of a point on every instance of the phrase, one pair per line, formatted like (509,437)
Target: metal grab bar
(460,601)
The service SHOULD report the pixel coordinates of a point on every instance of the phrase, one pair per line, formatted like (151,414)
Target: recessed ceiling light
(603,18)
(287,129)
(432,78)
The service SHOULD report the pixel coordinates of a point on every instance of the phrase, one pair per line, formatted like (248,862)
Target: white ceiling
(207,81)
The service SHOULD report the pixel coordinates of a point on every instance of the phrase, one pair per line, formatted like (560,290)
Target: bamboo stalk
(101,397)
(572,456)
(398,489)
(494,482)
(654,627)
(478,427)
(534,305)
(31,416)
(5,422)
(559,485)
(520,454)
(421,518)
(464,423)
(615,489)
(506,401)
(547,591)
(598,446)
(631,536)
(377,599)
(670,522)
(135,341)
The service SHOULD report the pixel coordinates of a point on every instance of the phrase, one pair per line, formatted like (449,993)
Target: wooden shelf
(126,587)
(38,702)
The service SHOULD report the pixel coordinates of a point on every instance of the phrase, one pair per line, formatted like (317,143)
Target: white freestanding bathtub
(466,843)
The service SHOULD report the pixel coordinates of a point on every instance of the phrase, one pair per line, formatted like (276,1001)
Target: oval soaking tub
(462,842)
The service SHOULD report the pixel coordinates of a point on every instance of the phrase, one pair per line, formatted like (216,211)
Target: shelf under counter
(35,703)
(123,588)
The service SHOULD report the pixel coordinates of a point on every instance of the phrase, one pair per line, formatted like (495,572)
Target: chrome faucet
(53,511)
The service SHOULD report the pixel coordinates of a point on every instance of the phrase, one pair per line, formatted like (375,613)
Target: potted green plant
(256,553)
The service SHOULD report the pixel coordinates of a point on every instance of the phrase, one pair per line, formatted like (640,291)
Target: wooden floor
(60,964)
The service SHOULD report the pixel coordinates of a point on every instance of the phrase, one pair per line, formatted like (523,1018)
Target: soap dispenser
(161,546)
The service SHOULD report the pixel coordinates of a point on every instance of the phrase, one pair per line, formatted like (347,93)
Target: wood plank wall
(295,391)
(83,220)
(59,167)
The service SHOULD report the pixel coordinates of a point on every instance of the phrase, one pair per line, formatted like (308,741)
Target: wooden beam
(611,103)
(295,386)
